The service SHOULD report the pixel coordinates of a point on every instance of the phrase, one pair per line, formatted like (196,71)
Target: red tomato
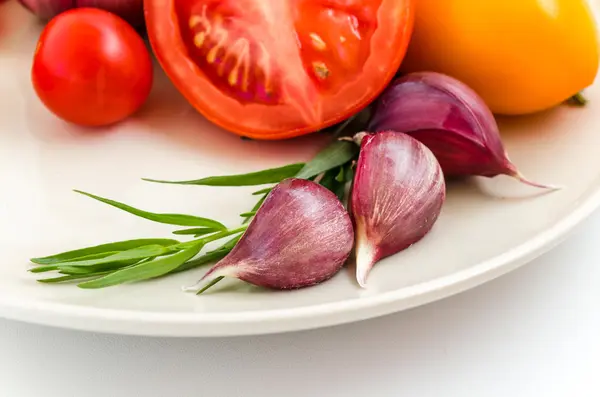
(274,69)
(91,68)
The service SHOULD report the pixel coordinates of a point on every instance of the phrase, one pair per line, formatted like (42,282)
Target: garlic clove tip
(211,278)
(366,257)
(521,178)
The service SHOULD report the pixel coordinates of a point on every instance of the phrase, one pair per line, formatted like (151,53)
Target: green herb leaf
(228,246)
(86,257)
(62,279)
(262,191)
(341,176)
(197,231)
(70,269)
(134,253)
(209,257)
(331,181)
(44,268)
(349,173)
(255,208)
(355,123)
(340,190)
(212,282)
(336,154)
(210,238)
(144,271)
(248,214)
(169,219)
(328,181)
(101,251)
(272,175)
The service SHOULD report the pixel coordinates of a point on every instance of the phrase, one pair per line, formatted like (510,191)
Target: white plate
(487,228)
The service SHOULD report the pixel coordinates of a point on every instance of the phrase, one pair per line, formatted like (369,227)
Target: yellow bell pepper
(521,56)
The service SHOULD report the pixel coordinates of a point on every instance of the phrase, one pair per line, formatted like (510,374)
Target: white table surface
(534,332)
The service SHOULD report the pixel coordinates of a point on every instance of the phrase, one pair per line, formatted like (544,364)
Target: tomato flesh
(91,68)
(331,41)
(274,69)
(239,67)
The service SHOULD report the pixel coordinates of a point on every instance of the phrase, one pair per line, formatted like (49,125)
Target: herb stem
(212,282)
(211,238)
(340,129)
(224,233)
(255,209)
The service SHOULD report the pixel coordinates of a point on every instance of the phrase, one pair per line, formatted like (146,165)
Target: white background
(534,332)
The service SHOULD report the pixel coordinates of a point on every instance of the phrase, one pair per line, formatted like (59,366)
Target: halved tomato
(275,69)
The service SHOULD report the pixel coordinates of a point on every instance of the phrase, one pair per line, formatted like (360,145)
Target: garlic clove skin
(452,120)
(301,236)
(396,198)
(131,11)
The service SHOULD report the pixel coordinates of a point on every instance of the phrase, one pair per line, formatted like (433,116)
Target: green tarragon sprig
(142,259)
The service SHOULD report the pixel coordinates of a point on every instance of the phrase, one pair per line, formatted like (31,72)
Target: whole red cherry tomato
(273,69)
(91,68)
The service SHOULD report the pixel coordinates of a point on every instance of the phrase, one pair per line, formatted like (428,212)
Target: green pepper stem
(578,99)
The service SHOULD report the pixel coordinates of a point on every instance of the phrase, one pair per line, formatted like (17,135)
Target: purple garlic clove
(451,120)
(301,235)
(131,11)
(396,197)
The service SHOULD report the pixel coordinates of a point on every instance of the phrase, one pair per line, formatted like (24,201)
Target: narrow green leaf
(228,246)
(101,251)
(341,176)
(210,238)
(349,173)
(169,219)
(248,214)
(69,269)
(336,154)
(212,282)
(144,271)
(356,123)
(262,191)
(341,127)
(62,279)
(85,257)
(272,175)
(340,190)
(209,257)
(259,203)
(134,253)
(72,270)
(44,268)
(256,208)
(197,231)
(328,180)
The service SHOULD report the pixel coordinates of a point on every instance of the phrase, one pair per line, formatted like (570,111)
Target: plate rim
(192,324)
(164,324)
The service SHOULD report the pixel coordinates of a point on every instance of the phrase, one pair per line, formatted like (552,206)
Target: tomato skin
(91,68)
(302,105)
(521,56)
